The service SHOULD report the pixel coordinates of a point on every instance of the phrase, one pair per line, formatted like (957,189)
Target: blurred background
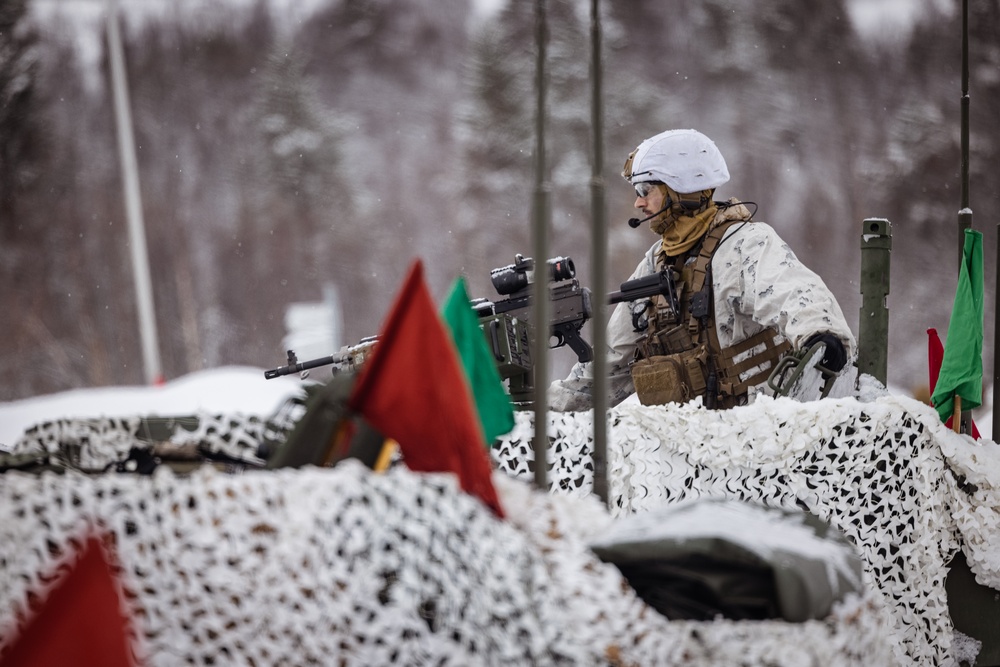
(307,152)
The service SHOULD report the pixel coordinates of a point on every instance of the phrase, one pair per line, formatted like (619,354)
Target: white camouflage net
(906,491)
(343,566)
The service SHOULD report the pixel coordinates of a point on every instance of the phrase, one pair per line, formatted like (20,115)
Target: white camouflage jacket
(757,282)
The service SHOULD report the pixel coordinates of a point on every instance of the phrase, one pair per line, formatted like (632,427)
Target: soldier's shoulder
(753,229)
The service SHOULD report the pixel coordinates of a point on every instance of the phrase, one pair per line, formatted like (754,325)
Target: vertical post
(598,259)
(965,212)
(540,228)
(996,328)
(133,203)
(873,323)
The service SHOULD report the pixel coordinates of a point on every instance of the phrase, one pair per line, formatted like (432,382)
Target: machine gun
(507,322)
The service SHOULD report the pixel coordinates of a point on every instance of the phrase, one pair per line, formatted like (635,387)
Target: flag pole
(956,417)
(996,332)
(965,212)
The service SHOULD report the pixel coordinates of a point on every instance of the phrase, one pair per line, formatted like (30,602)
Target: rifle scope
(514,278)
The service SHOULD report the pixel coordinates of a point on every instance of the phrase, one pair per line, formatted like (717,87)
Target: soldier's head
(675,172)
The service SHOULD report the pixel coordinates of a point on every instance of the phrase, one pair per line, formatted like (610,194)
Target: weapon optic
(507,322)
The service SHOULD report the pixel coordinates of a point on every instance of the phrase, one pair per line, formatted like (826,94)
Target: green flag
(962,366)
(492,402)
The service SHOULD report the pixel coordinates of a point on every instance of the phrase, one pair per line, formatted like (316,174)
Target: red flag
(80,623)
(413,390)
(935,355)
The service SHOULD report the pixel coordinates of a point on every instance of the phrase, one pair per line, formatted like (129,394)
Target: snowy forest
(282,151)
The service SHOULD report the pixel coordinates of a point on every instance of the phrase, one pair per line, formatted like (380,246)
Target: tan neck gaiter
(685,231)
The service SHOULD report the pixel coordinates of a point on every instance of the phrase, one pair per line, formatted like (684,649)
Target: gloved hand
(835,357)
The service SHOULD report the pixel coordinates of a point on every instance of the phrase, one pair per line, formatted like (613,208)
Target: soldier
(743,299)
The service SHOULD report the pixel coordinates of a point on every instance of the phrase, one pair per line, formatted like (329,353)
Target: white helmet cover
(686,160)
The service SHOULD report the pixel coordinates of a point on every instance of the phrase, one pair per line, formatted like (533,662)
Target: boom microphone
(635,222)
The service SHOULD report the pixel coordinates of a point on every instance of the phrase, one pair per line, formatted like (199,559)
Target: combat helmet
(686,160)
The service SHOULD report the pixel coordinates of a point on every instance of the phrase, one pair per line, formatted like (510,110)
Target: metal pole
(598,258)
(133,203)
(873,323)
(540,226)
(996,328)
(965,212)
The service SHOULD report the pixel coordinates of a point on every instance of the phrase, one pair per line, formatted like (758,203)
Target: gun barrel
(298,368)
(640,288)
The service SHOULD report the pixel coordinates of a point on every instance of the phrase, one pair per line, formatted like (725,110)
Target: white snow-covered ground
(229,390)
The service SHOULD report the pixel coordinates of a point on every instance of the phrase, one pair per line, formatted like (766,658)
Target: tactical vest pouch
(672,340)
(672,378)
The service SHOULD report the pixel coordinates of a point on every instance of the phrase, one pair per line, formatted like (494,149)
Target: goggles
(643,189)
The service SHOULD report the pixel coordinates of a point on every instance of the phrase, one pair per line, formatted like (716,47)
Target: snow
(767,535)
(87,20)
(244,390)
(229,390)
(889,20)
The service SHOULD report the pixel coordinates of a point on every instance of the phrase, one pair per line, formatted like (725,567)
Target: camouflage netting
(345,566)
(294,567)
(908,492)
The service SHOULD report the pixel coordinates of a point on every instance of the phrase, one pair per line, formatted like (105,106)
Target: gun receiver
(507,322)
(662,283)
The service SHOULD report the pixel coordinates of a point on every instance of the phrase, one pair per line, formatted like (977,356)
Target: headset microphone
(635,222)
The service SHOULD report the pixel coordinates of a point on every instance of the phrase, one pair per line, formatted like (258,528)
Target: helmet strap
(690,203)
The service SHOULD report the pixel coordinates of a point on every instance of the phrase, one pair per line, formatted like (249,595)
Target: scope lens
(561,268)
